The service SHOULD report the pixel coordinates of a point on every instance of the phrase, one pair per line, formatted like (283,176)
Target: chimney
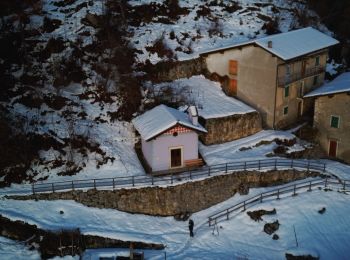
(269,44)
(193,115)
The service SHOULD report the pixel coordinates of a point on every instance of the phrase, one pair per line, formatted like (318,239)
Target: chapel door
(333,145)
(176,157)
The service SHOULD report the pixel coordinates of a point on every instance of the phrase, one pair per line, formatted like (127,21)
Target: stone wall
(172,200)
(226,129)
(169,71)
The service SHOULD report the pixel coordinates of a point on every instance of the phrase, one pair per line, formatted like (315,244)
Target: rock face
(229,128)
(169,201)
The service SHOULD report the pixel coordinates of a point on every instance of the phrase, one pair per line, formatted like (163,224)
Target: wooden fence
(206,171)
(277,193)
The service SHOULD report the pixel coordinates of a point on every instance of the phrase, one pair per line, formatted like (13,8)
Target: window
(315,80)
(335,121)
(233,65)
(317,61)
(286,91)
(285,110)
(288,69)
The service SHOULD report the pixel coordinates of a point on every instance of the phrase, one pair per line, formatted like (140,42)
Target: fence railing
(290,78)
(205,171)
(277,193)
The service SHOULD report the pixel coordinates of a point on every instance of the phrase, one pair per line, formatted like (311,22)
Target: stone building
(169,138)
(332,116)
(273,73)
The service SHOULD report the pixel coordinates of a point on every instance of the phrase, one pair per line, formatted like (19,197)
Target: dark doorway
(176,157)
(332,148)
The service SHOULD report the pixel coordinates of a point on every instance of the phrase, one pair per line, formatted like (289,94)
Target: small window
(175,134)
(233,67)
(288,69)
(335,121)
(285,110)
(286,91)
(317,61)
(315,80)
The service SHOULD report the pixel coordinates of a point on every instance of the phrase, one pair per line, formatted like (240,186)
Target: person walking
(190,227)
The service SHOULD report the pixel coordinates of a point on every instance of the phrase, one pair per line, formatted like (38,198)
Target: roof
(289,45)
(160,119)
(340,84)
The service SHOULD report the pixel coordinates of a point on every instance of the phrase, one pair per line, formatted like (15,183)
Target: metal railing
(290,78)
(277,193)
(203,172)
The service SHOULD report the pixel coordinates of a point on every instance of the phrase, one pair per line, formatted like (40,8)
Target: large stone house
(169,138)
(273,73)
(332,116)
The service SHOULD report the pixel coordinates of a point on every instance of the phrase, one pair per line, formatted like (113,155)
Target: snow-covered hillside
(198,25)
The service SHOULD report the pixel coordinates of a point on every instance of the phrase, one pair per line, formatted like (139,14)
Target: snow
(160,119)
(254,147)
(326,235)
(207,95)
(12,250)
(333,68)
(339,85)
(240,26)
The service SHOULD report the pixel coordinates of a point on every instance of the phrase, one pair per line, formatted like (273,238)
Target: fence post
(72,185)
(245,166)
(324,167)
(133,181)
(226,168)
(278,194)
(308,166)
(295,187)
(171,178)
(152,180)
(259,164)
(113,184)
(261,197)
(94,184)
(325,183)
(275,164)
(291,165)
(243,205)
(309,187)
(190,175)
(34,190)
(53,187)
(343,186)
(209,171)
(209,221)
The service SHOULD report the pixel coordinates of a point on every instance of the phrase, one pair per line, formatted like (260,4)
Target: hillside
(73,71)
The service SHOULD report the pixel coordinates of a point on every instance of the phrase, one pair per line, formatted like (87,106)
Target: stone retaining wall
(229,128)
(169,71)
(168,201)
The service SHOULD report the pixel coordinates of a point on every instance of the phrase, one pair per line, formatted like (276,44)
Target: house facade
(273,73)
(332,117)
(169,138)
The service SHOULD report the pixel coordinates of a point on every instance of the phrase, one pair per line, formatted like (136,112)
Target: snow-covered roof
(338,85)
(160,119)
(289,45)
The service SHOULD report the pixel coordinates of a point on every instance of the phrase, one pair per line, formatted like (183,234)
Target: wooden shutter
(233,87)
(233,65)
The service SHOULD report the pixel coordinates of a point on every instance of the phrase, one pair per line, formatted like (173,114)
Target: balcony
(290,78)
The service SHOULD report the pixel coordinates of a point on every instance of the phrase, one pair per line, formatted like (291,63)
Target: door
(303,68)
(175,157)
(300,108)
(333,145)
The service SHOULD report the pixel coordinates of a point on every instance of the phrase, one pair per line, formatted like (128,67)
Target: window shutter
(233,65)
(233,87)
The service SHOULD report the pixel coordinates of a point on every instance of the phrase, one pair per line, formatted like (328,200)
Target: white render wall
(157,151)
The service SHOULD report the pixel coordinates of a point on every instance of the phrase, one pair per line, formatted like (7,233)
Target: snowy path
(239,236)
